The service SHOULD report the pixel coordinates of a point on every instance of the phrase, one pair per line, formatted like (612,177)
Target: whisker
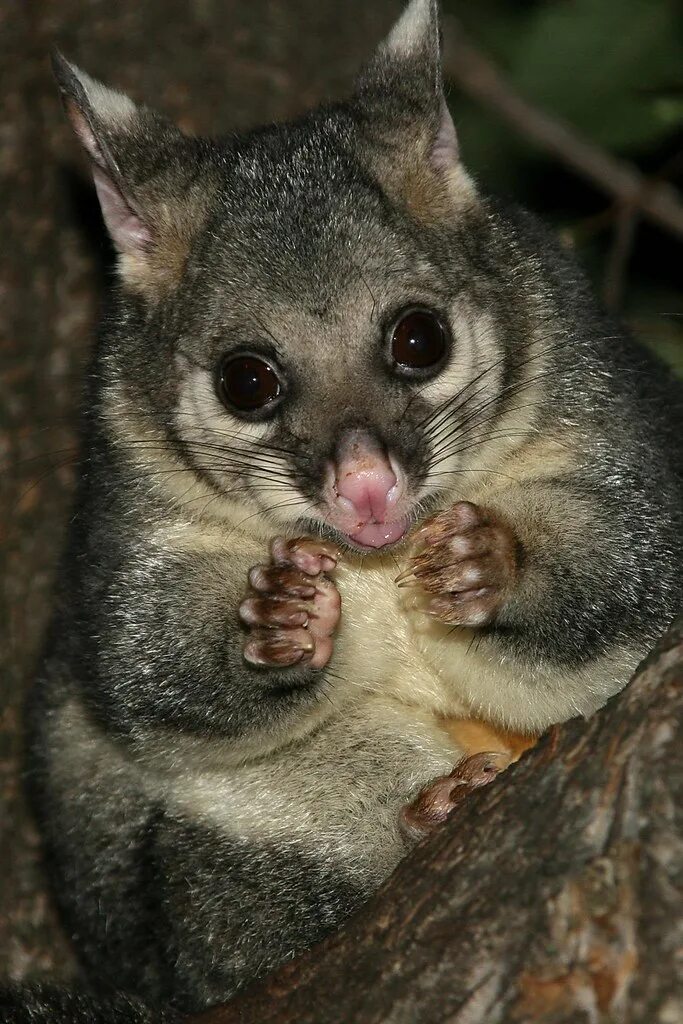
(478,441)
(220,460)
(453,418)
(272,508)
(457,435)
(369,290)
(520,364)
(508,392)
(444,406)
(453,472)
(196,443)
(36,483)
(443,409)
(252,442)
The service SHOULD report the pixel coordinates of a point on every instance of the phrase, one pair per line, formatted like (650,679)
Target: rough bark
(552,897)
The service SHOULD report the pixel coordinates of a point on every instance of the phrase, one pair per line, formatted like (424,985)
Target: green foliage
(614,70)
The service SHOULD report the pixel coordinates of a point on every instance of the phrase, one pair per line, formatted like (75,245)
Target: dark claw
(281,579)
(436,802)
(278,649)
(273,611)
(467,564)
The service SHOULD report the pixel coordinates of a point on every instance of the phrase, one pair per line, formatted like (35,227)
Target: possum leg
(292,608)
(436,801)
(468,561)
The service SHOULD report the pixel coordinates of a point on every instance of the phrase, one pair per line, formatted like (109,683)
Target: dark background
(612,68)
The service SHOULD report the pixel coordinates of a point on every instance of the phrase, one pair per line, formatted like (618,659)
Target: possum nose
(364,492)
(365,480)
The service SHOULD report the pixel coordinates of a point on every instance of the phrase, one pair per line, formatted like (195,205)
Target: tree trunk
(553,896)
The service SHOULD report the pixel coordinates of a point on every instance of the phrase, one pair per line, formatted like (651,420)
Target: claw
(324,548)
(424,533)
(436,801)
(407,578)
(281,579)
(274,612)
(309,556)
(480,769)
(280,648)
(293,608)
(279,551)
(404,575)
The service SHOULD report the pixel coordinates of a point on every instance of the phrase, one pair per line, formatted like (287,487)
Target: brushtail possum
(363,455)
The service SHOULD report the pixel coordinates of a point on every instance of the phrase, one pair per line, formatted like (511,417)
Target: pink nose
(365,480)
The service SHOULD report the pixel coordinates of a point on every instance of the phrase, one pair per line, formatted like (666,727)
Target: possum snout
(365,480)
(364,489)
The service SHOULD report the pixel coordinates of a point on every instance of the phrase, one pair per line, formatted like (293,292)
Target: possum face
(326,350)
(304,308)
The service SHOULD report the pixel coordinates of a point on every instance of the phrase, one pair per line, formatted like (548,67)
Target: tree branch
(550,897)
(478,76)
(625,231)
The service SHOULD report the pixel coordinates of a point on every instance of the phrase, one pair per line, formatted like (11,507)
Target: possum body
(325,330)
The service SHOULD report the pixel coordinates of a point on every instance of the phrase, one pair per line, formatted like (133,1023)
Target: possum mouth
(374,536)
(369,537)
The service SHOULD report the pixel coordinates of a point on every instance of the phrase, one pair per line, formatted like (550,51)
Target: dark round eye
(248,383)
(419,340)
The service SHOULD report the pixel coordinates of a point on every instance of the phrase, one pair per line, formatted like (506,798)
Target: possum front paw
(293,607)
(436,801)
(468,560)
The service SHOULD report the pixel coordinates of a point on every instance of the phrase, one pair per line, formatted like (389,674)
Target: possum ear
(145,175)
(406,121)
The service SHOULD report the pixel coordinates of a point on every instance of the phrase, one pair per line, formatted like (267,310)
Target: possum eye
(248,384)
(419,343)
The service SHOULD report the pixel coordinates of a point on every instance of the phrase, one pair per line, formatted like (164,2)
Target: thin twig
(619,255)
(478,76)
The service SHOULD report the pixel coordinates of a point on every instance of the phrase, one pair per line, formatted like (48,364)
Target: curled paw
(292,607)
(466,561)
(436,801)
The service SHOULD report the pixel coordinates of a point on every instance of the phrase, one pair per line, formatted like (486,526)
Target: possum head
(303,309)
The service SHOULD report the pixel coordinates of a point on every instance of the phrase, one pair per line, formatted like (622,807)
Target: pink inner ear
(129,234)
(445,151)
(85,133)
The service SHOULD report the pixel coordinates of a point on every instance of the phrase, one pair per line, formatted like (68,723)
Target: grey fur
(206,819)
